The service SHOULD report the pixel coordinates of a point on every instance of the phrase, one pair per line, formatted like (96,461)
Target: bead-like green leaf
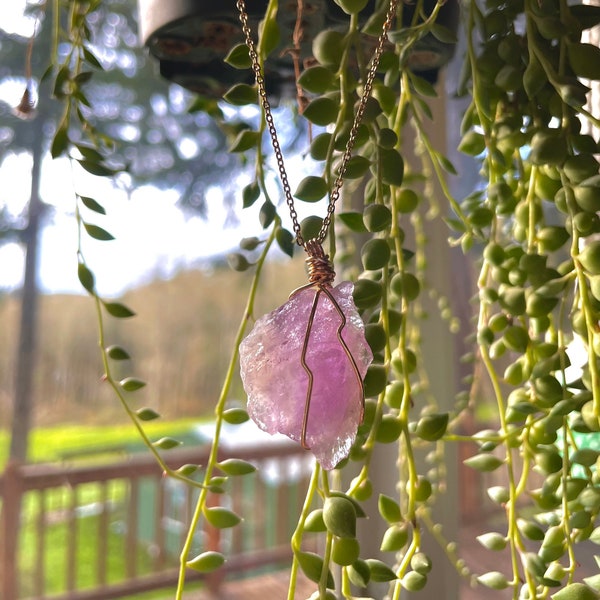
(414,581)
(250,194)
(484,462)
(472,143)
(389,509)
(576,591)
(310,227)
(238,262)
(250,243)
(593,581)
(311,189)
(357,166)
(380,571)
(432,427)
(321,111)
(316,79)
(494,580)
(118,310)
(312,566)
(221,517)
(147,414)
(92,205)
(206,562)
(314,521)
(98,233)
(236,466)
(267,213)
(353,221)
(339,516)
(91,59)
(131,384)
(499,494)
(235,416)
(86,277)
(96,168)
(585,60)
(241,94)
(285,241)
(492,540)
(187,470)
(392,166)
(245,140)
(60,142)
(239,57)
(394,538)
(117,353)
(366,293)
(421,563)
(166,443)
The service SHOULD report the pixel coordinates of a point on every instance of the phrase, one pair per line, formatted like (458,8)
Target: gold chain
(260,82)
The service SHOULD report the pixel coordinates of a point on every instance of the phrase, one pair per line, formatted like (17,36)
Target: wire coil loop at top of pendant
(320,269)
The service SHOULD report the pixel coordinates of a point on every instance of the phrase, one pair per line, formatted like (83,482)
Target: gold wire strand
(324,289)
(346,349)
(260,82)
(320,269)
(311,378)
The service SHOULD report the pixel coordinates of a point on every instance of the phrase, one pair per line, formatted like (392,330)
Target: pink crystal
(276,382)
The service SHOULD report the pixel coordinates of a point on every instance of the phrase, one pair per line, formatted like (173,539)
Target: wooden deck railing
(137,519)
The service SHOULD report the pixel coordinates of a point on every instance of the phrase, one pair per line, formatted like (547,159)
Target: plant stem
(219,408)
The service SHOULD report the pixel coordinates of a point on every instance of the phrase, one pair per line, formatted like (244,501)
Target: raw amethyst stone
(276,382)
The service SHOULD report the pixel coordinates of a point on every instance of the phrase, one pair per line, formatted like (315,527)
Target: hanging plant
(530,226)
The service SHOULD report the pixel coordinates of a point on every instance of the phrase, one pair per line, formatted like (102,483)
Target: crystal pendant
(303,364)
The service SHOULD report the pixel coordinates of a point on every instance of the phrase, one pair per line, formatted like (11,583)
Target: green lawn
(67,442)
(78,444)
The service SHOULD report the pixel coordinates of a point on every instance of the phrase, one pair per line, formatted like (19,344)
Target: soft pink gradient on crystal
(276,382)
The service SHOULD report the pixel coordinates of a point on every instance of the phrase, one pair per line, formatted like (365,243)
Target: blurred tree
(155,140)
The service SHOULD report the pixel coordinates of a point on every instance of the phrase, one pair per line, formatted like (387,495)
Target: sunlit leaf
(131,384)
(221,517)
(206,562)
(236,466)
(166,443)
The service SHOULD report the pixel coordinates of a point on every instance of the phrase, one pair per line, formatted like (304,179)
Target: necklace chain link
(368,86)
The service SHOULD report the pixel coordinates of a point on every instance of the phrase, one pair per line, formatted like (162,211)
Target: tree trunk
(26,351)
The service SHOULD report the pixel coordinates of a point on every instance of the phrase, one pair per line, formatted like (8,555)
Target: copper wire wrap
(320,269)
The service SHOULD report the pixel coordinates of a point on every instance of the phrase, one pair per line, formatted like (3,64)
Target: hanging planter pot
(190,39)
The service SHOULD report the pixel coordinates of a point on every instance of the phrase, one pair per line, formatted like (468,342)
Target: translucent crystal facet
(277,383)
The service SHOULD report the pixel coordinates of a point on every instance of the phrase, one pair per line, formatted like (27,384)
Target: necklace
(303,364)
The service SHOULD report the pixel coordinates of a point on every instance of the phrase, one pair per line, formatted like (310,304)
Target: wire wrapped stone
(303,365)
